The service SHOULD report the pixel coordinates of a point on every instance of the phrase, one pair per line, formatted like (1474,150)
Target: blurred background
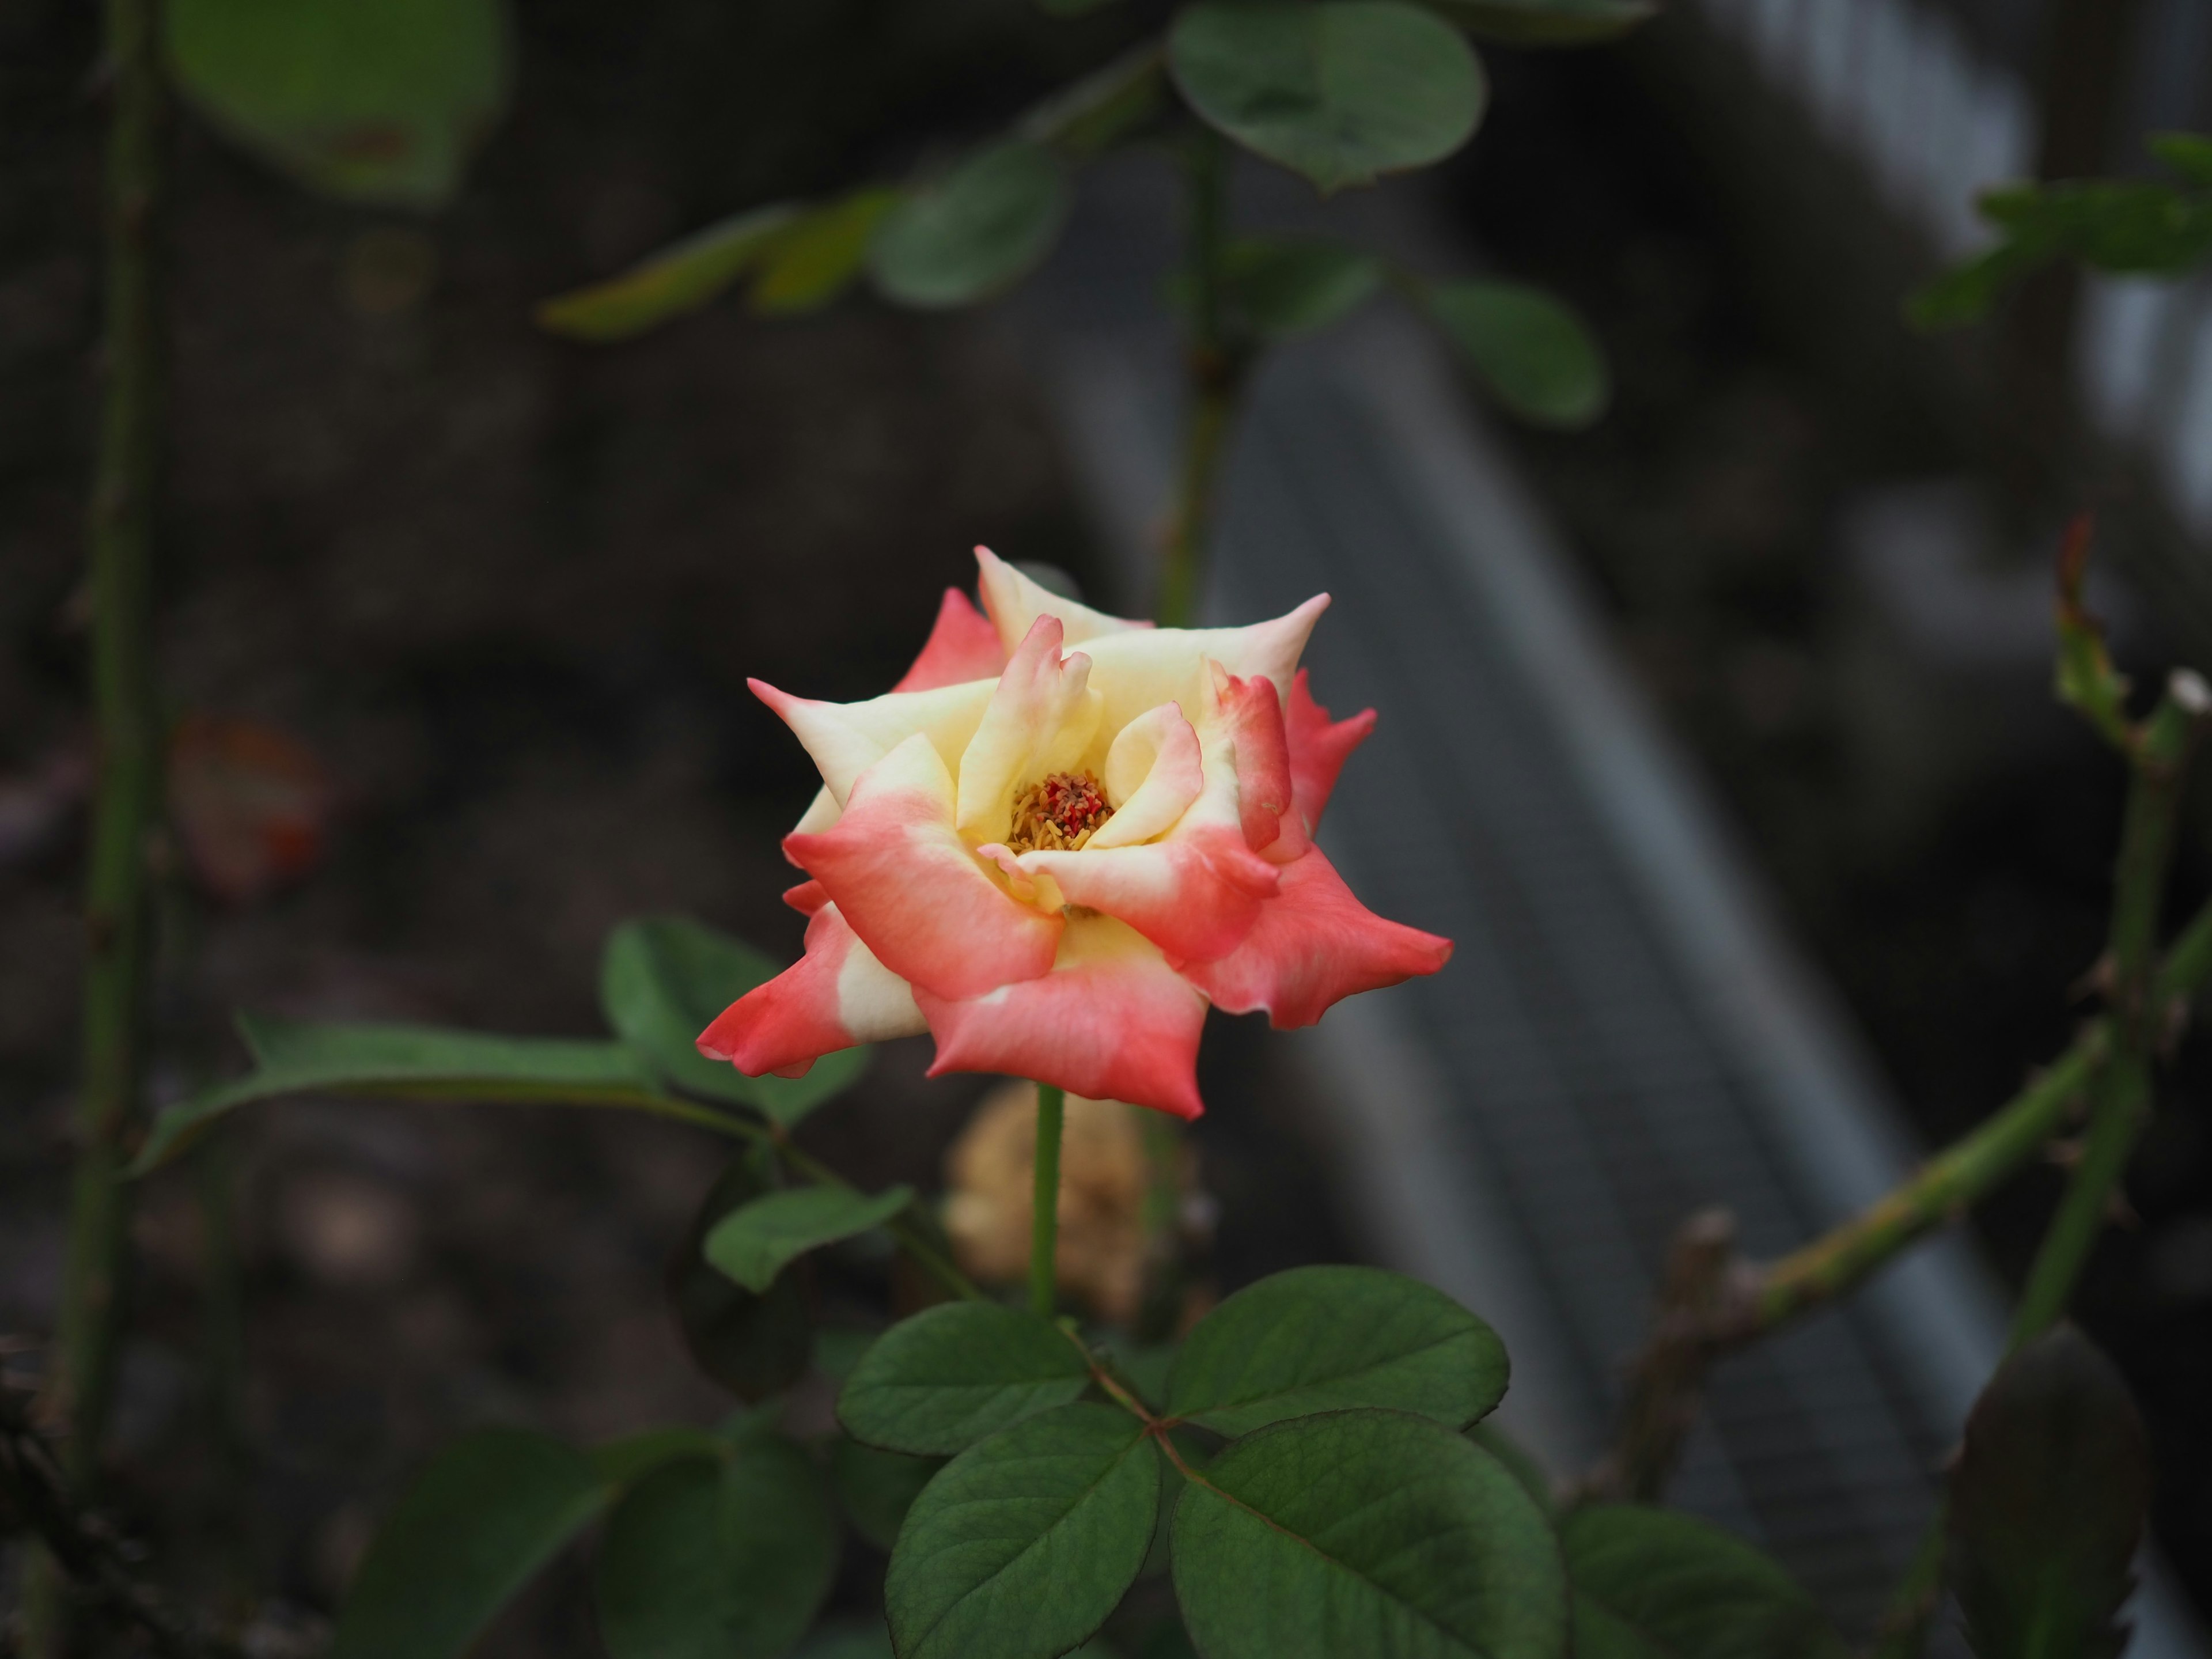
(461,615)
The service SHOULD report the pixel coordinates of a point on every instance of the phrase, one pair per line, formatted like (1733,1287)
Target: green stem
(1215,371)
(127,724)
(1044,1201)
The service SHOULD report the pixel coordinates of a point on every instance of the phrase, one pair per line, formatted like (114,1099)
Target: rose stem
(1044,1200)
(127,726)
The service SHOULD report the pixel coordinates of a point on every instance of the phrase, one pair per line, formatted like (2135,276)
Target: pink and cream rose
(1057,841)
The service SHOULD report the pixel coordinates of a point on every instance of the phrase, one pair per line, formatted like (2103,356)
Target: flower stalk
(1044,1201)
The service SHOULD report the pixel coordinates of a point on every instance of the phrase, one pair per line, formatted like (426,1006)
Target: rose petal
(1042,717)
(1252,710)
(1137,672)
(835,996)
(846,739)
(912,891)
(1312,946)
(805,898)
(1318,749)
(1111,1021)
(1153,773)
(1014,603)
(963,646)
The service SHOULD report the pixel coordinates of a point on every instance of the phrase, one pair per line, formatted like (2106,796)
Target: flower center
(1058,814)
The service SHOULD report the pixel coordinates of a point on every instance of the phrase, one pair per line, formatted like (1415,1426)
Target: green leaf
(1649,1583)
(820,257)
(2047,1504)
(1023,1544)
(677,279)
(2188,154)
(1532,351)
(1086,118)
(754,1345)
(877,1487)
(753,1244)
(376,103)
(974,232)
(663,980)
(727,1560)
(489,1512)
(1340,91)
(1547,22)
(849,1638)
(939,1382)
(1319,1339)
(1367,1532)
(623,1462)
(1520,1462)
(415,1060)
(1288,287)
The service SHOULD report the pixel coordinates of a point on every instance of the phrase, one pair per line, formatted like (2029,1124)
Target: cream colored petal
(846,739)
(1041,719)
(1136,672)
(1014,603)
(1154,771)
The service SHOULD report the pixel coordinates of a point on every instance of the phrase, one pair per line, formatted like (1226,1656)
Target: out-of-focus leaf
(819,255)
(2121,226)
(754,1345)
(1023,1544)
(937,1384)
(849,1638)
(2047,1504)
(1649,1581)
(623,1463)
(877,1487)
(753,1244)
(1367,1532)
(1340,91)
(251,804)
(481,1519)
(1321,1338)
(976,231)
(677,279)
(298,1057)
(1520,1462)
(1103,107)
(370,103)
(2188,153)
(1286,287)
(662,981)
(728,1561)
(1531,350)
(1547,22)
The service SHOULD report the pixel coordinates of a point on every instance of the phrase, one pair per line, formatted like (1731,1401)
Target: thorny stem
(1044,1200)
(128,727)
(37,1490)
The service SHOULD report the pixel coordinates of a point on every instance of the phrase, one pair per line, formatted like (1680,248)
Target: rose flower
(1052,859)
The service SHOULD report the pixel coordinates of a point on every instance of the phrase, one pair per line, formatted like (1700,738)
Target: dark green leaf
(677,279)
(2047,1504)
(1318,1339)
(877,1487)
(1547,22)
(623,1463)
(1102,108)
(663,980)
(727,1560)
(1287,288)
(1531,350)
(1649,1583)
(938,1382)
(974,232)
(820,256)
(753,1345)
(849,1638)
(2188,153)
(1370,1533)
(370,103)
(1023,1544)
(295,1058)
(752,1245)
(1340,91)
(488,1513)
(1520,1462)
